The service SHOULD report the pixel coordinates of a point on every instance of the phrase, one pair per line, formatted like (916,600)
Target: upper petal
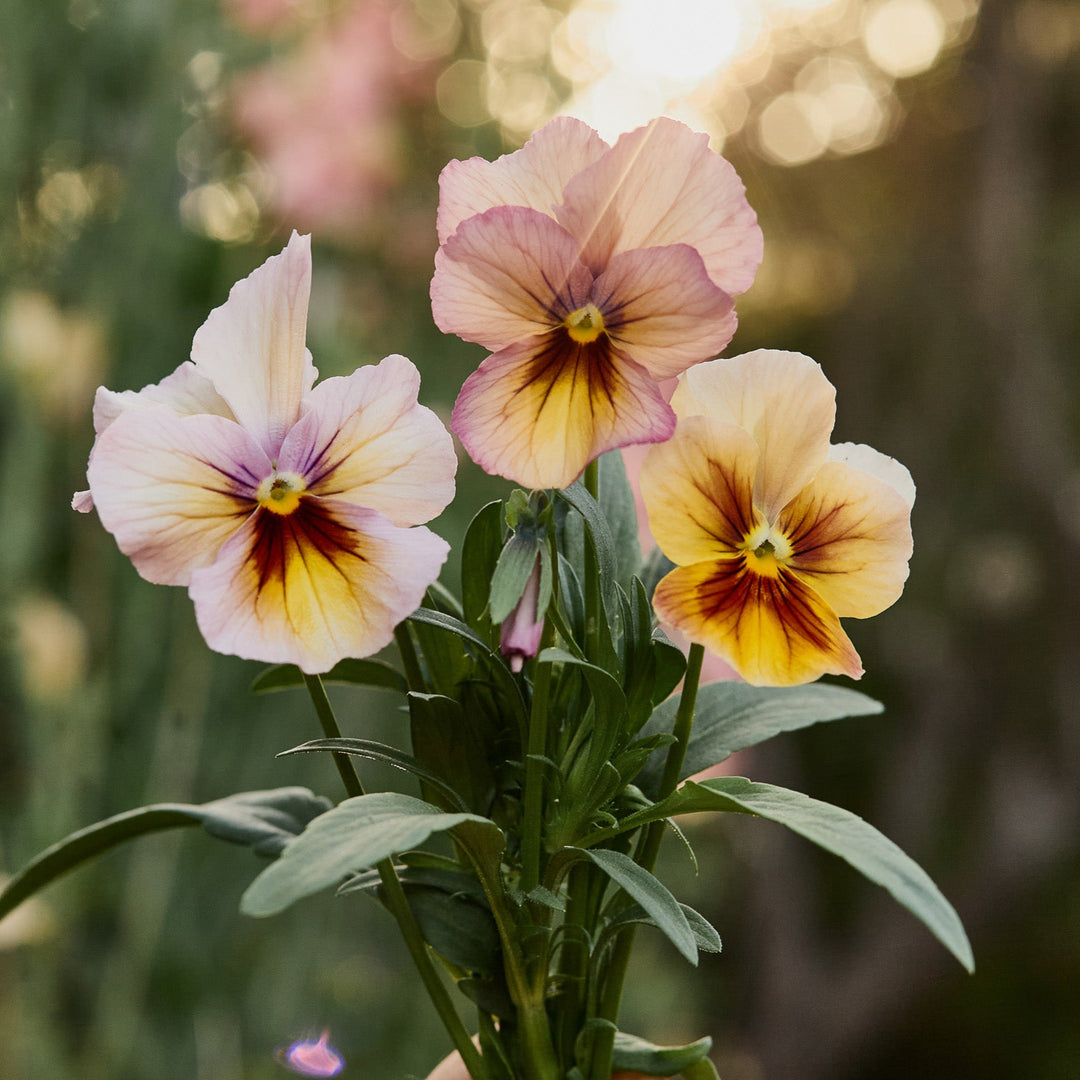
(874,462)
(329,580)
(658,185)
(775,631)
(365,439)
(252,347)
(698,490)
(172,489)
(540,410)
(783,399)
(185,391)
(851,535)
(662,308)
(506,274)
(533,176)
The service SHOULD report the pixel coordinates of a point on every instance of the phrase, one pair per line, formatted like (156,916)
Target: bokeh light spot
(904,37)
(793,128)
(461,93)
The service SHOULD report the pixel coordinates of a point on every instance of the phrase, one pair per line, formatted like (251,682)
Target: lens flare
(312,1057)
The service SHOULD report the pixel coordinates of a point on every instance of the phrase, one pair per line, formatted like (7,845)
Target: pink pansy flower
(286,508)
(591,272)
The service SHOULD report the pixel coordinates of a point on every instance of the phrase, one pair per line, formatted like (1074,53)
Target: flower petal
(506,274)
(329,580)
(851,536)
(173,489)
(252,347)
(185,391)
(783,399)
(775,631)
(658,185)
(540,410)
(698,490)
(886,468)
(662,308)
(533,176)
(365,439)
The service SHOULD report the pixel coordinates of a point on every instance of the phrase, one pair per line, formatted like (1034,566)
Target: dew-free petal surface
(658,185)
(507,274)
(662,308)
(851,535)
(185,391)
(783,399)
(252,347)
(364,438)
(329,580)
(698,490)
(886,468)
(533,176)
(775,631)
(540,410)
(173,489)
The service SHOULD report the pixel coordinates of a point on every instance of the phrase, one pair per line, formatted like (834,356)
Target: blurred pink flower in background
(324,118)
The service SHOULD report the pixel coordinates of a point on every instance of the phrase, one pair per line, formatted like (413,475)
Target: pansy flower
(287,509)
(591,272)
(776,535)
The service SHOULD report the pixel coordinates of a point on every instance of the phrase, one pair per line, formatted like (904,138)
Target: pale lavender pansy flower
(522,629)
(592,273)
(287,509)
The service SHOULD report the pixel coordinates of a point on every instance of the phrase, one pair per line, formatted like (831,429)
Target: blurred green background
(914,166)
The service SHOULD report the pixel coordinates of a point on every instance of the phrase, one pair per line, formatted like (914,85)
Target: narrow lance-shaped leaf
(262,820)
(731,716)
(834,829)
(634,1054)
(376,674)
(651,894)
(356,834)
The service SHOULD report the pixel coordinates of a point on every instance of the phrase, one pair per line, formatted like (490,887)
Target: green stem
(396,900)
(650,848)
(532,818)
(593,606)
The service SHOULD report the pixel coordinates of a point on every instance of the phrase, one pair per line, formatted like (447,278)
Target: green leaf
(356,834)
(479,554)
(651,894)
(705,935)
(596,523)
(731,716)
(386,755)
(633,1054)
(843,833)
(262,820)
(462,931)
(445,741)
(617,504)
(512,571)
(376,674)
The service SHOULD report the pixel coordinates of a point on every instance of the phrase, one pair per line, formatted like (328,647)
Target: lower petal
(540,410)
(172,489)
(775,631)
(310,588)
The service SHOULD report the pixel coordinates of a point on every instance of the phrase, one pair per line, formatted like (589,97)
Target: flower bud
(522,628)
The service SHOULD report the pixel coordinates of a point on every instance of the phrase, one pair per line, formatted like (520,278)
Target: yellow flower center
(766,551)
(584,325)
(280,492)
